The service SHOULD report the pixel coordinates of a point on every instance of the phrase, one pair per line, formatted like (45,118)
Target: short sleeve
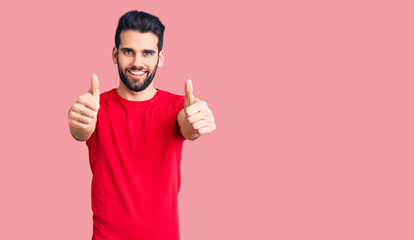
(178,106)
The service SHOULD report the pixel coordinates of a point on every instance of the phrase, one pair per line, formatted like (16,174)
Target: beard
(133,84)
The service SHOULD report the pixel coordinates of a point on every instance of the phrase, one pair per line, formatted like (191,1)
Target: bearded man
(135,135)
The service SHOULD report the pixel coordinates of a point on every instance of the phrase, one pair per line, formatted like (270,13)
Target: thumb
(189,97)
(94,90)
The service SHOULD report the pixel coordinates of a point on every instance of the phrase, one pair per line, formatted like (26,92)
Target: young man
(135,135)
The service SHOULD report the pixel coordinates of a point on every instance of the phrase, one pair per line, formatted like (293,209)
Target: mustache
(137,68)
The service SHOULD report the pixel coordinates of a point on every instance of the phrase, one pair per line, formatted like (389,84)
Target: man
(135,134)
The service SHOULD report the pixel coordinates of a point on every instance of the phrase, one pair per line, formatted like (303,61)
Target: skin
(138,52)
(83,114)
(196,118)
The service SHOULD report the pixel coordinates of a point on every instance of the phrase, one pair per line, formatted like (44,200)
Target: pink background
(312,100)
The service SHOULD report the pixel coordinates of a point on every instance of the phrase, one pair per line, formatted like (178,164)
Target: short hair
(142,22)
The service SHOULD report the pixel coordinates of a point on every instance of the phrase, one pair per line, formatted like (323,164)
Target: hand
(197,112)
(83,114)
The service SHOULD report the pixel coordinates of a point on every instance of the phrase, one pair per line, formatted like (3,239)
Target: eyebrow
(127,49)
(132,50)
(149,51)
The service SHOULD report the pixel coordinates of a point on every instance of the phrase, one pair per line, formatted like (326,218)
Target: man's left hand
(198,115)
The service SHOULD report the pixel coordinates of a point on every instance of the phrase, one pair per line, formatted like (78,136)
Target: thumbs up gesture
(198,117)
(83,114)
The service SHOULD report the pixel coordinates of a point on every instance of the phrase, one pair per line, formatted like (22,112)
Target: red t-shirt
(135,156)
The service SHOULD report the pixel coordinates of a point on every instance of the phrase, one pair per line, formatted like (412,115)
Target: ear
(115,55)
(161,58)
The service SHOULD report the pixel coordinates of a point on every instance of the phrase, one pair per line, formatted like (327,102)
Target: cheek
(122,63)
(153,63)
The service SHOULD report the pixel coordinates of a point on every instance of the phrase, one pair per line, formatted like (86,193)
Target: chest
(138,124)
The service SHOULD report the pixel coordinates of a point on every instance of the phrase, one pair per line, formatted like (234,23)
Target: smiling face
(137,59)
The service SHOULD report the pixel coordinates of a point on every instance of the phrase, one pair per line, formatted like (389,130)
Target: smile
(137,73)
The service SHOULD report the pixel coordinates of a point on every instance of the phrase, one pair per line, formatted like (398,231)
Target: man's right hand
(83,114)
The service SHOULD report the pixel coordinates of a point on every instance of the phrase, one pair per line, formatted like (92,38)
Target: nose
(138,62)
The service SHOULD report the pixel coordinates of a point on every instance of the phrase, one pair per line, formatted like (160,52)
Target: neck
(130,95)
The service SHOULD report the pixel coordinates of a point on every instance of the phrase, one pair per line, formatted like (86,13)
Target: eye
(128,52)
(148,53)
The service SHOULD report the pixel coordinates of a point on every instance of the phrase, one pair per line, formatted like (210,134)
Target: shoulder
(107,95)
(108,98)
(168,97)
(173,102)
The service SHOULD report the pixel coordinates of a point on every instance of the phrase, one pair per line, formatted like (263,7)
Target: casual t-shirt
(135,156)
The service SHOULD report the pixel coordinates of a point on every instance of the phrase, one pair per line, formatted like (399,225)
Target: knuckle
(71,115)
(75,108)
(81,99)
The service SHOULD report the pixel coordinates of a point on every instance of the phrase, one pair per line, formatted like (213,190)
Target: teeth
(137,73)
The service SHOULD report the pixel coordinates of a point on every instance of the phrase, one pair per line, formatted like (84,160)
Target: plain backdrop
(313,102)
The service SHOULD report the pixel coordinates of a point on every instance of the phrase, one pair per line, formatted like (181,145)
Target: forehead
(137,40)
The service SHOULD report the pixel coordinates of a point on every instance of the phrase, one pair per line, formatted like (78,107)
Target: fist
(197,112)
(83,114)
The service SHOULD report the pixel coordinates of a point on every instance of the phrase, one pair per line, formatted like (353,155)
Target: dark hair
(142,22)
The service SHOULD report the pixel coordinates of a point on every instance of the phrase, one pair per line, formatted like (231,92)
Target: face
(137,59)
